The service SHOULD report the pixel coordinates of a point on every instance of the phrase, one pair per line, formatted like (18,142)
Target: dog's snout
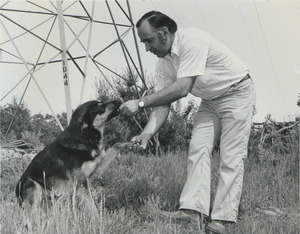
(112,108)
(118,103)
(114,104)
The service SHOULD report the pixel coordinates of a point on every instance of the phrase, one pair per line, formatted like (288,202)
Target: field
(129,195)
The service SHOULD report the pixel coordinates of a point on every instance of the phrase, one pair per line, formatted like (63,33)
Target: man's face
(151,37)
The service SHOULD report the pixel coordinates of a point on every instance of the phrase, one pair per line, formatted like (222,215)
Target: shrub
(15,117)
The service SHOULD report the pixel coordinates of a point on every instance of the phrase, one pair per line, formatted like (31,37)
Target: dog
(76,155)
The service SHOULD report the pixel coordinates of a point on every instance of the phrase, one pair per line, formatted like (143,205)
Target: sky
(264,34)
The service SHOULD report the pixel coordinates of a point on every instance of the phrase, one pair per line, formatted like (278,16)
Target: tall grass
(128,196)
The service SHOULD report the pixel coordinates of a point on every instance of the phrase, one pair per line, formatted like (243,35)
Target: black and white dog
(77,154)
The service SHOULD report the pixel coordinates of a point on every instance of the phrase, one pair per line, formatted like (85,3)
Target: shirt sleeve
(193,57)
(164,74)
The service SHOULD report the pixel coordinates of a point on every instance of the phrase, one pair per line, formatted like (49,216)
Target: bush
(15,117)
(31,138)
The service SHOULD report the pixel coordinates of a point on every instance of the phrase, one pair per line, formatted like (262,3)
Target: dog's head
(95,113)
(87,124)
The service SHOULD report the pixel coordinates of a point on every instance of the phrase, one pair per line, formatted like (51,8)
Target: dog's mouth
(111,110)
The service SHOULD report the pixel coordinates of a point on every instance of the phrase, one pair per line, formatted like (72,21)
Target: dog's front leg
(103,161)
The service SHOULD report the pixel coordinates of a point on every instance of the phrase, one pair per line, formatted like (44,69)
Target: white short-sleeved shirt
(196,53)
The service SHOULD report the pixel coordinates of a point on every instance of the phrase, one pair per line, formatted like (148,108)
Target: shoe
(180,215)
(215,227)
(186,217)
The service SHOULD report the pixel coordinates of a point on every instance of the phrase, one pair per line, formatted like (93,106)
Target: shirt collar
(174,49)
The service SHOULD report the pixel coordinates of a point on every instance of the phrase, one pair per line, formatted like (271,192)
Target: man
(191,61)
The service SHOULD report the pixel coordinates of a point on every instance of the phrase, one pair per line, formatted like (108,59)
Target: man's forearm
(180,88)
(156,119)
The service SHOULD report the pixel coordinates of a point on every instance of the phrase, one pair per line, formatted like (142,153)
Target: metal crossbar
(91,22)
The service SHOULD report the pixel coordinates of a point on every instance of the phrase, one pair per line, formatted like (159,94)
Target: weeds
(135,187)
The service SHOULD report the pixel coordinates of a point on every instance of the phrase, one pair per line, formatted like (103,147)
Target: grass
(129,194)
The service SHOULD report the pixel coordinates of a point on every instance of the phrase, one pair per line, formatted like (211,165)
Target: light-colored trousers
(228,117)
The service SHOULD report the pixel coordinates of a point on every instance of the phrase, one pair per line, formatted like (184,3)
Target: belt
(247,77)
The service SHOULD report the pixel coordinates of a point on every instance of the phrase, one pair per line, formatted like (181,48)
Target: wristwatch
(141,104)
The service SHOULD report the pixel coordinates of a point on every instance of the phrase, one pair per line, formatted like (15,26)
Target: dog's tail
(18,192)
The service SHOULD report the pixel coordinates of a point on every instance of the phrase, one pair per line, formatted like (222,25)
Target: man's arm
(161,102)
(180,88)
(156,119)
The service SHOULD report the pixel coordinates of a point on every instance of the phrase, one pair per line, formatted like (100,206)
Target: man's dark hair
(158,20)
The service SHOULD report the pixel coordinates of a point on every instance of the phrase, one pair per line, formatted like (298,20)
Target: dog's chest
(86,168)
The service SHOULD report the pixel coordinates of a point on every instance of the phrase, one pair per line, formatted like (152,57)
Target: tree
(15,117)
(47,127)
(18,124)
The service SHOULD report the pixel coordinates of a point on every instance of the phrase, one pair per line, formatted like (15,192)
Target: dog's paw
(123,146)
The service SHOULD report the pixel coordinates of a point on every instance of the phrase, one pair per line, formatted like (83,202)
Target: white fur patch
(84,125)
(94,153)
(88,168)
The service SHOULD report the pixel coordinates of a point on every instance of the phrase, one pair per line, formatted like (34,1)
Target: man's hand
(130,107)
(141,141)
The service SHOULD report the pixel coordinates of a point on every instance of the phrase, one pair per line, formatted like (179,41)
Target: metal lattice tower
(70,33)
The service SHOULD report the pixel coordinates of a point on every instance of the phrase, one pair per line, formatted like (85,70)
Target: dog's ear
(80,117)
(85,119)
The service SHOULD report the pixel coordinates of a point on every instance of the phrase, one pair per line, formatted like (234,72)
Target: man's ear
(162,36)
(165,33)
